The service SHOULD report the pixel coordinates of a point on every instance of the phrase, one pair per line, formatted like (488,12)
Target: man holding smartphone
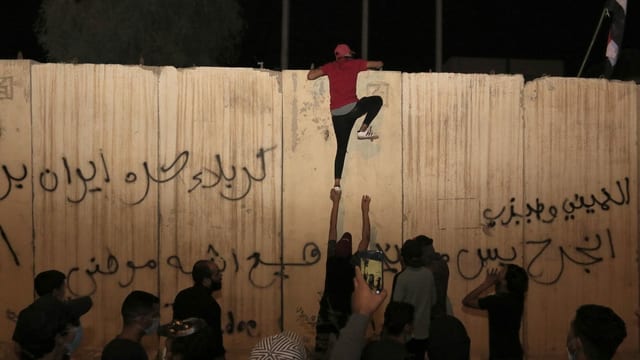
(335,305)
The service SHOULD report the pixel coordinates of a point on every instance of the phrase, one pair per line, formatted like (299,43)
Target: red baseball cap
(343,50)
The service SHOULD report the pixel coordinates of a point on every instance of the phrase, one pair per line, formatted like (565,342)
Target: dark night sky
(401,32)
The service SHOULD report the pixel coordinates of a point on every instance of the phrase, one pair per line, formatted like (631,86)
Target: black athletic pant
(343,124)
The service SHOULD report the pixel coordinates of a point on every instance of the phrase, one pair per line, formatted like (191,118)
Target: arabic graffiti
(242,326)
(311,254)
(94,176)
(585,256)
(388,264)
(539,211)
(112,267)
(11,178)
(6,241)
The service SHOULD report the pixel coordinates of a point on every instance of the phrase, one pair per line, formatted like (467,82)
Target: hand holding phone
(371,268)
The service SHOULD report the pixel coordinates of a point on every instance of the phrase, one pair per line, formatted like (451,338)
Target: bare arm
(315,73)
(366,226)
(374,64)
(472,298)
(333,222)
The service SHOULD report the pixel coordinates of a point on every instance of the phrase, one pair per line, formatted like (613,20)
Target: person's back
(343,77)
(398,324)
(505,315)
(415,285)
(505,309)
(448,339)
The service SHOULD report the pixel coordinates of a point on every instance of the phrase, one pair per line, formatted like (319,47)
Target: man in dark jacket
(197,301)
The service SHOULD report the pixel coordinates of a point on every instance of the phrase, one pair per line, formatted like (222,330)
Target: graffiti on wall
(80,180)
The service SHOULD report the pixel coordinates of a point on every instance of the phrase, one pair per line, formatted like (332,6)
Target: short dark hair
(517,279)
(424,240)
(137,303)
(47,281)
(396,316)
(412,253)
(201,271)
(600,330)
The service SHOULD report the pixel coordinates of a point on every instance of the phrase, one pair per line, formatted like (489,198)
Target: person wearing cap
(345,106)
(50,325)
(415,285)
(595,333)
(335,304)
(286,345)
(140,316)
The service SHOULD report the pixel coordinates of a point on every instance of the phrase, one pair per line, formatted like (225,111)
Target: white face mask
(77,339)
(570,355)
(153,328)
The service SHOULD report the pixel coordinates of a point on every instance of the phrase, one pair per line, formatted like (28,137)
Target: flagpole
(605,12)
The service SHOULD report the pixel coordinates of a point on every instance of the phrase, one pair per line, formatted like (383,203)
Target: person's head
(207,274)
(398,318)
(141,309)
(343,246)
(286,345)
(50,282)
(595,333)
(411,253)
(428,251)
(343,51)
(514,279)
(197,346)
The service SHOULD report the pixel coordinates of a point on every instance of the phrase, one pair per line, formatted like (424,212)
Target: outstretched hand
(364,300)
(366,200)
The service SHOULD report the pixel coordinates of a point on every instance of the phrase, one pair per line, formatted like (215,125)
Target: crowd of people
(418,321)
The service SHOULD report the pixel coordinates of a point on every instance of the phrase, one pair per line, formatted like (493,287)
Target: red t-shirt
(343,76)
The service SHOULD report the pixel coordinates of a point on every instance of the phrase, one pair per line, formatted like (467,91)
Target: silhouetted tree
(162,32)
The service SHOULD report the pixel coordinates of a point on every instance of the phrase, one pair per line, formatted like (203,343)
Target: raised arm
(333,222)
(374,64)
(471,300)
(315,73)
(366,226)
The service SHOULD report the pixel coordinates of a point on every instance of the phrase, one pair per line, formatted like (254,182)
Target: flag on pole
(617,10)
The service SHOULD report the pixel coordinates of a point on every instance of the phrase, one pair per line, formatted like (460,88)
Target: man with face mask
(39,325)
(198,302)
(140,316)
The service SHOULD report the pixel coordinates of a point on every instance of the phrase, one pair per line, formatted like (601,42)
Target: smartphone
(371,268)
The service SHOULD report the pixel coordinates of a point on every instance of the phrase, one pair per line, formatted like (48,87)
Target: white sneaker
(367,134)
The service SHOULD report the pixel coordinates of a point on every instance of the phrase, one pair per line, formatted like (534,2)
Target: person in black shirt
(505,309)
(397,327)
(197,302)
(51,324)
(335,304)
(140,316)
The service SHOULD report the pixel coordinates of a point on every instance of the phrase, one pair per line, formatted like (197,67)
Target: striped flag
(617,10)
